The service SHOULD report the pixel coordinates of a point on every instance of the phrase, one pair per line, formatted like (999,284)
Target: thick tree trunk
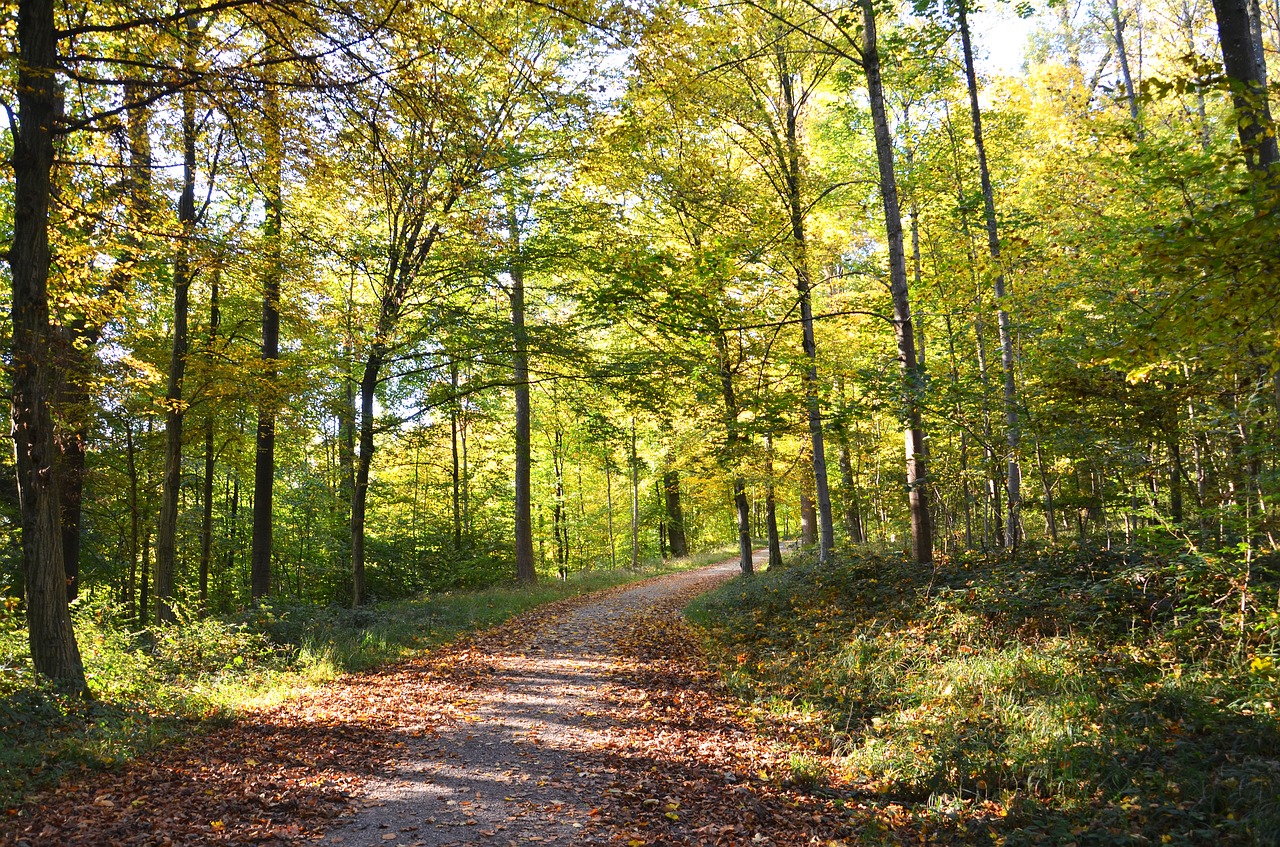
(917,483)
(675,515)
(808,510)
(264,468)
(1012,432)
(54,652)
(1246,68)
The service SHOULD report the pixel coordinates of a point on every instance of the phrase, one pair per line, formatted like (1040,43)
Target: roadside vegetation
(1083,696)
(161,683)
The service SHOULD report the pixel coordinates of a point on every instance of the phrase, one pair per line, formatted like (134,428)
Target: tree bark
(771,507)
(1117,35)
(675,515)
(744,525)
(206,518)
(635,499)
(455,478)
(1246,68)
(364,460)
(1012,432)
(175,405)
(525,570)
(918,494)
(264,466)
(54,652)
(796,211)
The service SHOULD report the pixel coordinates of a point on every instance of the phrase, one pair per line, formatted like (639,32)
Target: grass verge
(1082,697)
(154,685)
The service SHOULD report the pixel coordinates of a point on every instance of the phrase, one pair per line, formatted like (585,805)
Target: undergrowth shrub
(1079,695)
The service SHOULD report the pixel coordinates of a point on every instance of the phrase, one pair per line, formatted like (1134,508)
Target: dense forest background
(349,301)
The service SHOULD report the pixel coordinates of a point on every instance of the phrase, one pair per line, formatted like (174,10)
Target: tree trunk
(1118,24)
(456,477)
(635,499)
(264,468)
(206,518)
(135,519)
(1012,433)
(1245,66)
(364,460)
(608,495)
(744,525)
(175,406)
(771,507)
(918,494)
(54,652)
(796,210)
(525,570)
(558,529)
(675,515)
(808,510)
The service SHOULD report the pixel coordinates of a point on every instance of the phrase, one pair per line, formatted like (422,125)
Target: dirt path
(594,720)
(534,755)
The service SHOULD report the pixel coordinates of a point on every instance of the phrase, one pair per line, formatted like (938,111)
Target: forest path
(553,731)
(593,720)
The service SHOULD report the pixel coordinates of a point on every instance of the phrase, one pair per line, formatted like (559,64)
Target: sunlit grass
(1082,696)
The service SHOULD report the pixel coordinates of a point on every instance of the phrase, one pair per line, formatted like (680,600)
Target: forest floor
(594,720)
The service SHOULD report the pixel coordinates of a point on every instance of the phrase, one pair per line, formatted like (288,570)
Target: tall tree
(54,652)
(1012,433)
(912,378)
(174,404)
(264,468)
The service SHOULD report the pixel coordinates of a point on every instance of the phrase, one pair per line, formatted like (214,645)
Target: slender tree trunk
(913,389)
(175,406)
(557,511)
(206,518)
(635,499)
(675,515)
(1012,432)
(1050,514)
(525,571)
(1118,24)
(264,469)
(453,441)
(608,494)
(771,507)
(135,519)
(364,460)
(744,525)
(796,209)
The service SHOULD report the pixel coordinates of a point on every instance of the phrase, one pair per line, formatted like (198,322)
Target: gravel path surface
(535,747)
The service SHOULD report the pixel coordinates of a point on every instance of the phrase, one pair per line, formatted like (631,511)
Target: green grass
(1084,696)
(162,683)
